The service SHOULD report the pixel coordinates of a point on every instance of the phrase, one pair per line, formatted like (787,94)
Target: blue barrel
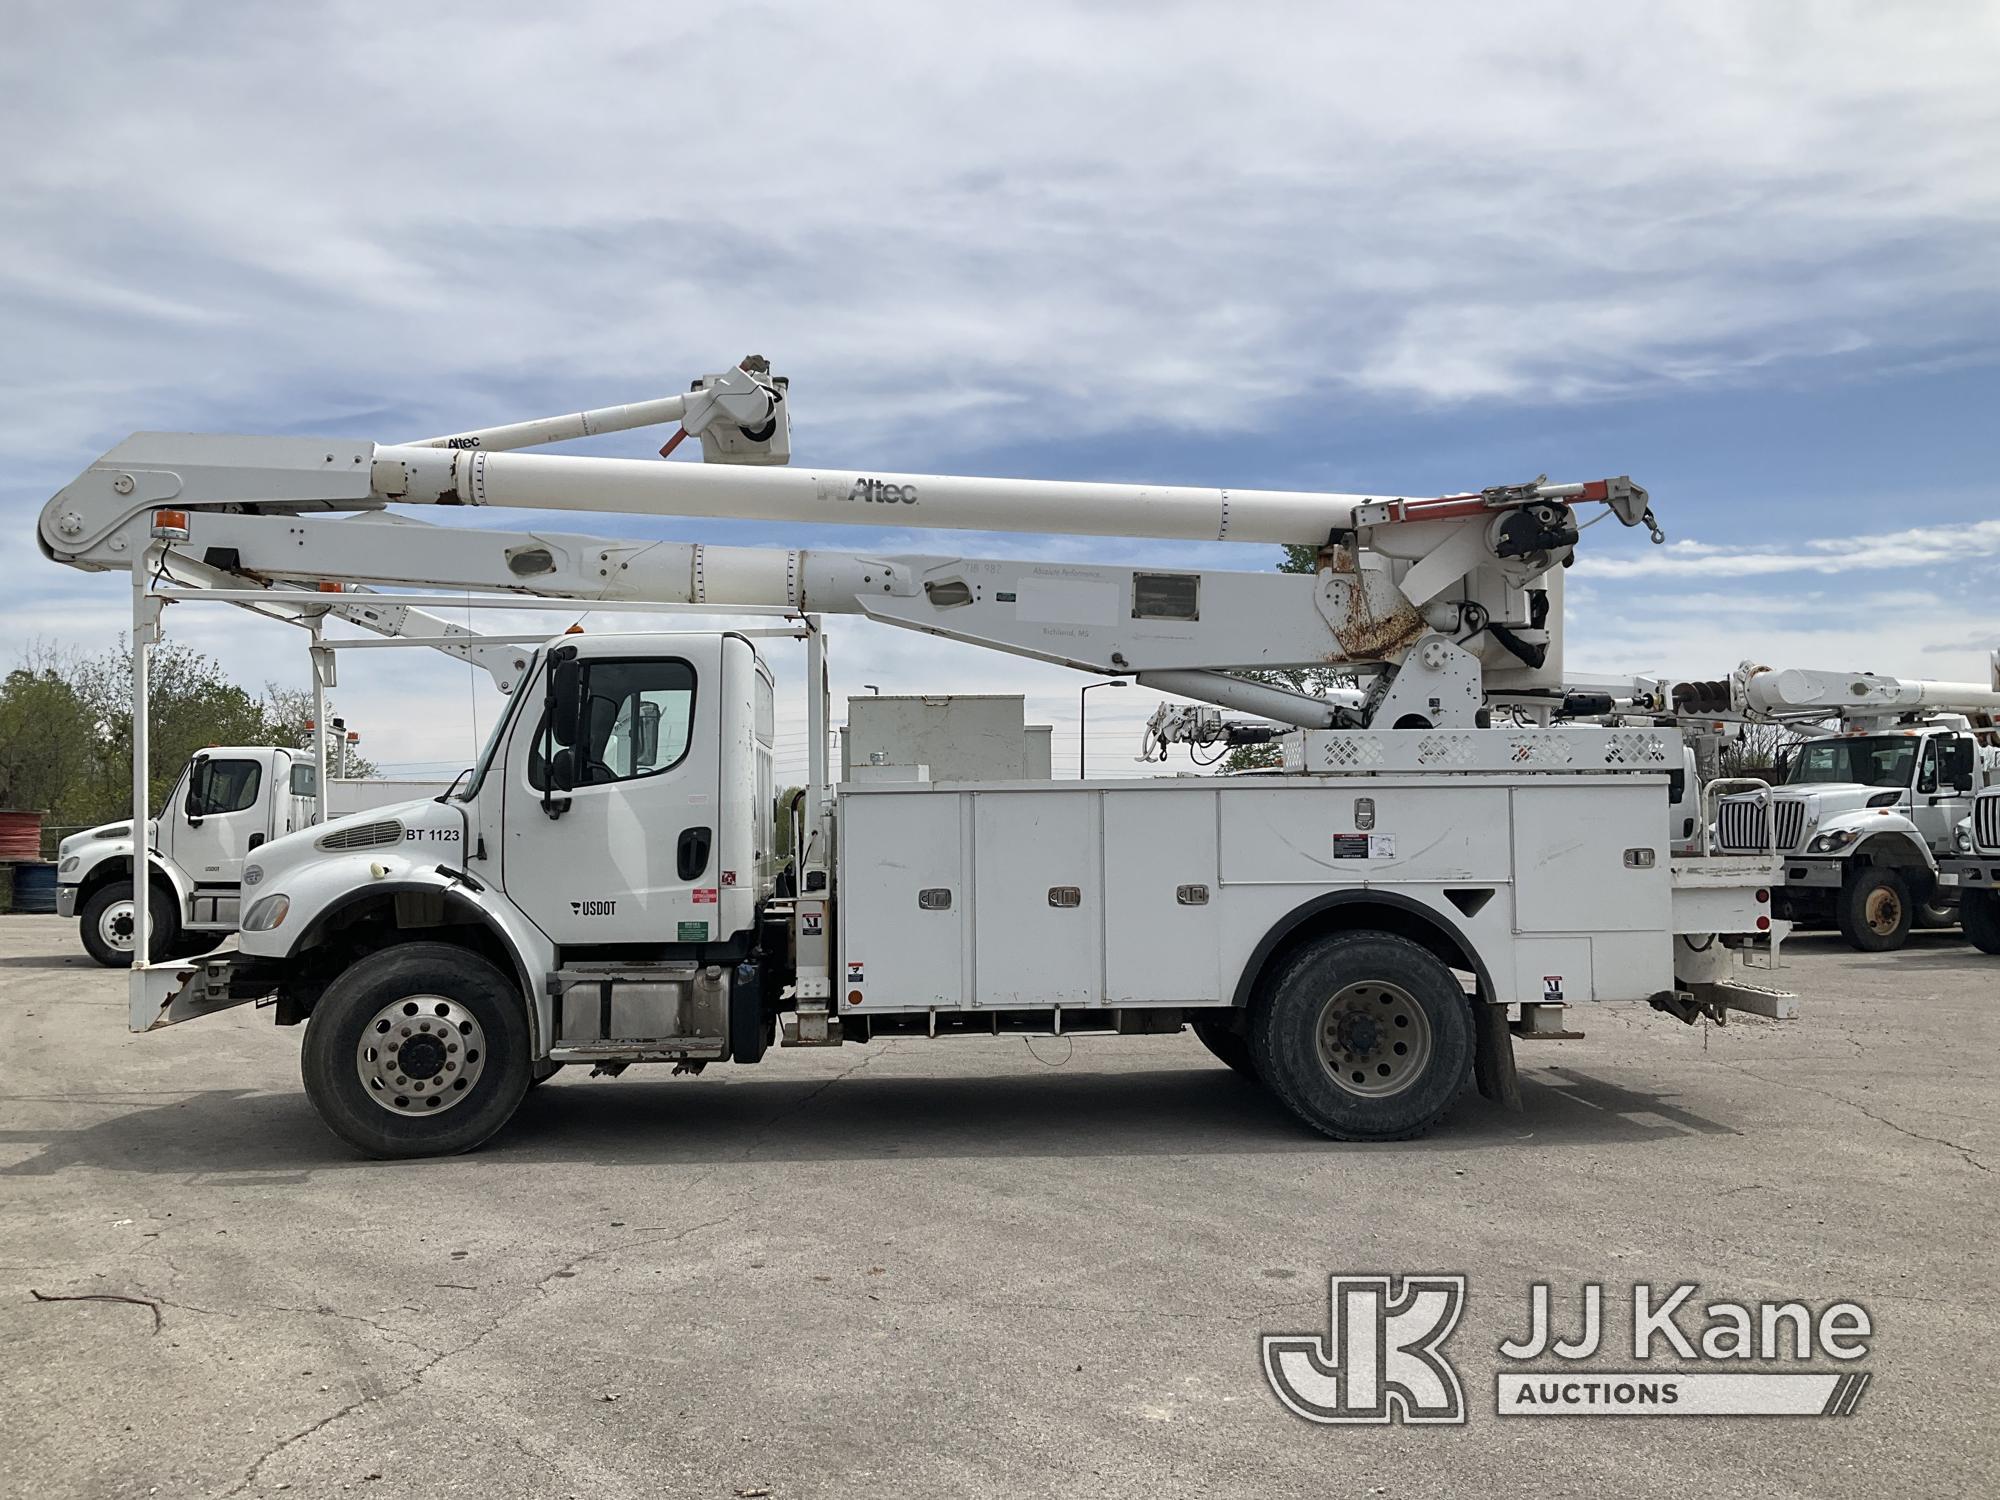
(35,887)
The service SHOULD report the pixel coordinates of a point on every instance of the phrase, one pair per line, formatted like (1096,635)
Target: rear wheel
(1979,914)
(418,1050)
(1229,1043)
(1875,910)
(109,920)
(1365,1036)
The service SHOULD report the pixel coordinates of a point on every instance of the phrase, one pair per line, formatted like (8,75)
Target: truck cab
(1862,820)
(228,801)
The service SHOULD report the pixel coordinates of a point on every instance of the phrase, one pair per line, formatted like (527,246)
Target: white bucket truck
(1363,933)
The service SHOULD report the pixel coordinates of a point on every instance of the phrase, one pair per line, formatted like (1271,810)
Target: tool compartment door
(1032,849)
(1570,848)
(1161,897)
(903,899)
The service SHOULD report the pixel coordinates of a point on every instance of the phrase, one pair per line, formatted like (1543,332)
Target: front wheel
(109,921)
(417,1050)
(1979,915)
(1365,1036)
(1875,910)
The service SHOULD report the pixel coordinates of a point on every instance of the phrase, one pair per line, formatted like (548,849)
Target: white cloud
(955,226)
(1917,547)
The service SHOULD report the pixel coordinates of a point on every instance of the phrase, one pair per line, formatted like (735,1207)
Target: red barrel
(20,835)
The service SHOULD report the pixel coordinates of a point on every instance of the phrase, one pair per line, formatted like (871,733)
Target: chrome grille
(1986,823)
(1740,826)
(366,836)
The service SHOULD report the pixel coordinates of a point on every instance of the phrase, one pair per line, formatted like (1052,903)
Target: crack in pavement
(416,1377)
(1966,1153)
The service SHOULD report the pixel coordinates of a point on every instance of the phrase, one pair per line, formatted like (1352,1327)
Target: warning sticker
(1350,846)
(1381,846)
(809,923)
(704,894)
(1552,987)
(691,932)
(728,877)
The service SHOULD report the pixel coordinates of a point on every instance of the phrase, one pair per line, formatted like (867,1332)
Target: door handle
(692,856)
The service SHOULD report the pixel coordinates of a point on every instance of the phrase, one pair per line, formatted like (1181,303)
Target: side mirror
(647,751)
(562,708)
(200,777)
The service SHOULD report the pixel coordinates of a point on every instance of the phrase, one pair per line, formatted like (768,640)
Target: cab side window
(223,786)
(636,720)
(1927,774)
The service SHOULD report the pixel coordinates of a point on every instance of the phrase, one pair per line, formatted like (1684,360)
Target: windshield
(1872,760)
(492,748)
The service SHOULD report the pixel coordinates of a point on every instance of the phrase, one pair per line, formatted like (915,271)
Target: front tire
(1979,915)
(1875,910)
(107,925)
(417,1050)
(1365,1036)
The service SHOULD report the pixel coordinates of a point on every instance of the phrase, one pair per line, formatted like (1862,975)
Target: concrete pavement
(987,1266)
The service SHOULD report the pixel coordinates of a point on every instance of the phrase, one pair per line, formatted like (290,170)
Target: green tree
(47,734)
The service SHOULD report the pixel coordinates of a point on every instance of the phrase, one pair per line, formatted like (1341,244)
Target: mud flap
(1493,1057)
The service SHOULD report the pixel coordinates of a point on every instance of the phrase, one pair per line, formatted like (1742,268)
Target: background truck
(1362,933)
(1974,868)
(1864,813)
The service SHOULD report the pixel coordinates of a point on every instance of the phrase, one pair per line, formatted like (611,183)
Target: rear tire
(1875,910)
(1979,915)
(1365,1036)
(417,1050)
(1229,1043)
(106,924)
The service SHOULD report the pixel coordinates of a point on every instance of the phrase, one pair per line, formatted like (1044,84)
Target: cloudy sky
(1746,254)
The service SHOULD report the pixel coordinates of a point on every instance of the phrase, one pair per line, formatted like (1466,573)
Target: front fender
(323,891)
(1887,840)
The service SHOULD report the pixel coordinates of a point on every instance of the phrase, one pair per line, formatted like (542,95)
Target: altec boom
(603,887)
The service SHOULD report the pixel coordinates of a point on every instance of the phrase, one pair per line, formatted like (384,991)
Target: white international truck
(1363,932)
(1973,867)
(1866,813)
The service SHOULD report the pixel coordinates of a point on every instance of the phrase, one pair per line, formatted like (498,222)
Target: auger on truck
(1866,814)
(1355,934)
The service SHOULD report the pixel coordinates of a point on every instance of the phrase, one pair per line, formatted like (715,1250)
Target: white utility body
(1357,930)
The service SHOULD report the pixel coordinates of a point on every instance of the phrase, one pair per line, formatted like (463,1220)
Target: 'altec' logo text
(880,492)
(1383,1359)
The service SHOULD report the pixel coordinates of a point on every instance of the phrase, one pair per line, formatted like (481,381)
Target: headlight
(1961,840)
(69,864)
(267,913)
(252,874)
(1827,843)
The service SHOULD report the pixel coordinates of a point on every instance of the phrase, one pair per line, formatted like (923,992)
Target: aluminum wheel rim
(1374,1039)
(115,925)
(420,1055)
(1882,911)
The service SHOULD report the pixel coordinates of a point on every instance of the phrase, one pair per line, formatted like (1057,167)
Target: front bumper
(65,900)
(1824,873)
(1979,872)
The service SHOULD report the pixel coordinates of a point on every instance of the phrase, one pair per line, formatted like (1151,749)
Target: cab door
(1945,776)
(627,852)
(225,813)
